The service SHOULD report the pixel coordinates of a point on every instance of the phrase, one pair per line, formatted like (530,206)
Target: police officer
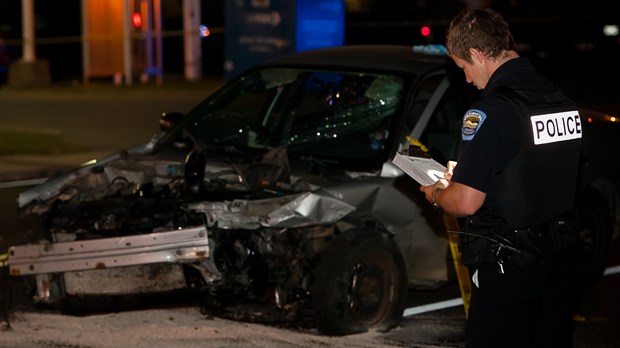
(514,182)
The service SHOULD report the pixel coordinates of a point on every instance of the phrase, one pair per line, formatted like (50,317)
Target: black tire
(361,283)
(594,238)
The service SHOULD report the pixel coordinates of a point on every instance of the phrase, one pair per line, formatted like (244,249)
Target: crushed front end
(129,225)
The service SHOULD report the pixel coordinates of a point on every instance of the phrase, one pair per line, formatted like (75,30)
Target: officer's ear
(476,56)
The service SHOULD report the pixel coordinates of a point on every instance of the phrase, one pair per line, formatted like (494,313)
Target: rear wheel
(361,283)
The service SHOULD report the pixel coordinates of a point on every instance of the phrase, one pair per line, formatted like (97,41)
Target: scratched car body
(275,198)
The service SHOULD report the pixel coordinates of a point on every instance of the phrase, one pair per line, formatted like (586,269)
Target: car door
(433,120)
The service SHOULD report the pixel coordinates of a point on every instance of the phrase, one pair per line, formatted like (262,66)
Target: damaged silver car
(275,199)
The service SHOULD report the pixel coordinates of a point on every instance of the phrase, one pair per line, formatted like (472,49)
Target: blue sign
(320,23)
(258,30)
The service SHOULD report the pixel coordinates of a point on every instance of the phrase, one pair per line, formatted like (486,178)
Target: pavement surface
(102,119)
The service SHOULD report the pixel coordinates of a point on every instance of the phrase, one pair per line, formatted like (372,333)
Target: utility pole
(28,71)
(191,40)
(28,31)
(127,61)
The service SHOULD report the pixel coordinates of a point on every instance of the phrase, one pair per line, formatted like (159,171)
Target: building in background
(122,40)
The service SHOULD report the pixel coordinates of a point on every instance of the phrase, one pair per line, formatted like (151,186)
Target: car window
(442,133)
(421,97)
(336,114)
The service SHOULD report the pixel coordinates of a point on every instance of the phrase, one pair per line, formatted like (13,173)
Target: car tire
(594,236)
(361,283)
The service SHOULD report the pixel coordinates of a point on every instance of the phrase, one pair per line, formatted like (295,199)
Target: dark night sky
(552,27)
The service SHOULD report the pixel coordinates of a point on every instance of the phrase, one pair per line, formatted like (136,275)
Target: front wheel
(361,283)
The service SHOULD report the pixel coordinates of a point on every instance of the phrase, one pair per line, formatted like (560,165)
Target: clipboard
(426,171)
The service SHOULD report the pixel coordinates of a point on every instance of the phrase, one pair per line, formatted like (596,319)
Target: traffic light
(425,31)
(136,19)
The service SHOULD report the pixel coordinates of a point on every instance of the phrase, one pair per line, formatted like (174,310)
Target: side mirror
(169,119)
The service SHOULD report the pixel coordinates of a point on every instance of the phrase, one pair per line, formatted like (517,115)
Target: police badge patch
(472,121)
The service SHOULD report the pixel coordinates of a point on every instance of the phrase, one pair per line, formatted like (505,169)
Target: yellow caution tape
(110,37)
(462,273)
(414,141)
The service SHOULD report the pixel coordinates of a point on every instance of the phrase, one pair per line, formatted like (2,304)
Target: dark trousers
(526,306)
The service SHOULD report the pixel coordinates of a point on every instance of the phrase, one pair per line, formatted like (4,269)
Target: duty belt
(520,247)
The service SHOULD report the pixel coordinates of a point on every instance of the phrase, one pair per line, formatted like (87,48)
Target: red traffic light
(425,31)
(136,19)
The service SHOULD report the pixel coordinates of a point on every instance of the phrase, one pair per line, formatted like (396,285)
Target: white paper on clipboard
(426,171)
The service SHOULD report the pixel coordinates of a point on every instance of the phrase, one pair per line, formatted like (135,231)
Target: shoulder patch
(472,121)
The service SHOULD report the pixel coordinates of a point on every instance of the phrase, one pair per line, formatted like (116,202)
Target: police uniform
(520,144)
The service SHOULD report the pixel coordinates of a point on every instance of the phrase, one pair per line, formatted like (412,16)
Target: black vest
(541,181)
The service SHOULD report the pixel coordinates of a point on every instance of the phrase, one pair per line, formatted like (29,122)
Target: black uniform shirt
(492,136)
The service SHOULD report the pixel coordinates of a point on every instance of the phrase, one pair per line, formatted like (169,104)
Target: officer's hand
(428,190)
(447,174)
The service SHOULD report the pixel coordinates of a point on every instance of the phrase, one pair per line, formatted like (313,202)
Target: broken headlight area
(130,228)
(265,276)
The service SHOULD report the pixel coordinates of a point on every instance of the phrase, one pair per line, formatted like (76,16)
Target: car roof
(394,58)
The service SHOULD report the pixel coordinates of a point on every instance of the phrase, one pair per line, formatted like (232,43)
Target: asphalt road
(596,324)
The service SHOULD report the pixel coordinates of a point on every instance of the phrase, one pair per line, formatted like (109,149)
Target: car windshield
(320,113)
